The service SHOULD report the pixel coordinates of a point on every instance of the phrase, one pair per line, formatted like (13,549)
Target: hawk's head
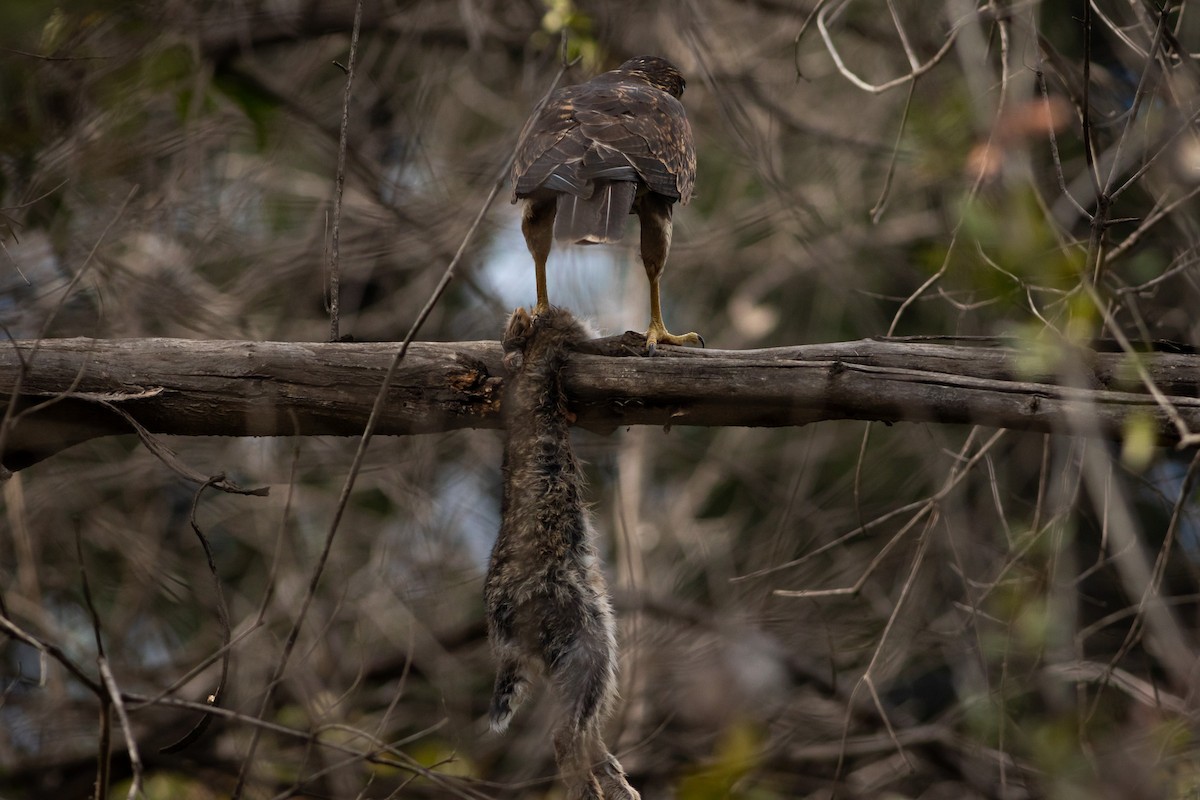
(658,72)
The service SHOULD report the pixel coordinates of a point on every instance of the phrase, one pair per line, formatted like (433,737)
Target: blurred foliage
(564,21)
(738,751)
(178,158)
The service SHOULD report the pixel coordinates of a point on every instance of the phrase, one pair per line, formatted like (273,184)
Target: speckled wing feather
(550,142)
(647,128)
(600,130)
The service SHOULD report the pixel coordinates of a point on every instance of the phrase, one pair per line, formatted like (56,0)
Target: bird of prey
(596,152)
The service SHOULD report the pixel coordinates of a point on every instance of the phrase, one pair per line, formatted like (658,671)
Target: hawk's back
(625,126)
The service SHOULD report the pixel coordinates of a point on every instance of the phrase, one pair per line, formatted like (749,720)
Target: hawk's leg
(537,223)
(654,215)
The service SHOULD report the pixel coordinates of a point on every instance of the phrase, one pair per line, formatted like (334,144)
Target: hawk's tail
(596,219)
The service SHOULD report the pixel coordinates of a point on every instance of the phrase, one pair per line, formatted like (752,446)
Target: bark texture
(62,392)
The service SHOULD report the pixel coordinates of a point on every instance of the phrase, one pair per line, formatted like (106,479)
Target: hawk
(596,152)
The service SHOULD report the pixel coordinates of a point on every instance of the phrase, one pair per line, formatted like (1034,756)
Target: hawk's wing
(643,127)
(607,130)
(550,140)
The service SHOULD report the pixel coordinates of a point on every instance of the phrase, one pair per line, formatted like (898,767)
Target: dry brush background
(841,609)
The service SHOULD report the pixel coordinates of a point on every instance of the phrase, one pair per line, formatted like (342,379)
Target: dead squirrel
(547,603)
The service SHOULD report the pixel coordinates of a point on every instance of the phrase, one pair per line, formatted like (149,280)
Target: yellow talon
(658,334)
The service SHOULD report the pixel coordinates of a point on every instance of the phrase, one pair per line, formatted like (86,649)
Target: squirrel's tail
(587,680)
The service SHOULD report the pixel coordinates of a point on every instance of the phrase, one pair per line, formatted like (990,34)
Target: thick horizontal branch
(71,390)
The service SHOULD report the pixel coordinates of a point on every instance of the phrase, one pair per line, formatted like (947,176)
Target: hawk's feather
(598,143)
(598,219)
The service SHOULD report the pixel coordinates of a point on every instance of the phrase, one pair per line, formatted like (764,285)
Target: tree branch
(224,388)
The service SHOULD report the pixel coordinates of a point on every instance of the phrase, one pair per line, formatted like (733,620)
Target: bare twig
(110,699)
(26,360)
(222,619)
(356,465)
(118,705)
(886,191)
(917,70)
(921,507)
(335,266)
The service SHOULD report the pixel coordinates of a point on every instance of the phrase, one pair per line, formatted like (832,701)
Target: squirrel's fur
(547,603)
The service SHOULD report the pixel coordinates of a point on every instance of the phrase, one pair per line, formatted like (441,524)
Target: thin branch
(26,361)
(335,265)
(1170,644)
(885,193)
(135,759)
(222,619)
(921,507)
(53,651)
(1135,236)
(1132,686)
(1138,98)
(913,61)
(1185,434)
(356,465)
(917,71)
(1054,151)
(386,754)
(103,752)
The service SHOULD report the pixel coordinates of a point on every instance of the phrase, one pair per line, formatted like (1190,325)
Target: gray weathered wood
(66,389)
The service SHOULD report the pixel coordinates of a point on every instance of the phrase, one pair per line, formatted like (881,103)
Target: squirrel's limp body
(547,602)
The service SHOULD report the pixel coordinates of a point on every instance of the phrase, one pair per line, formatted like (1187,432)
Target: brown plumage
(599,151)
(547,602)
